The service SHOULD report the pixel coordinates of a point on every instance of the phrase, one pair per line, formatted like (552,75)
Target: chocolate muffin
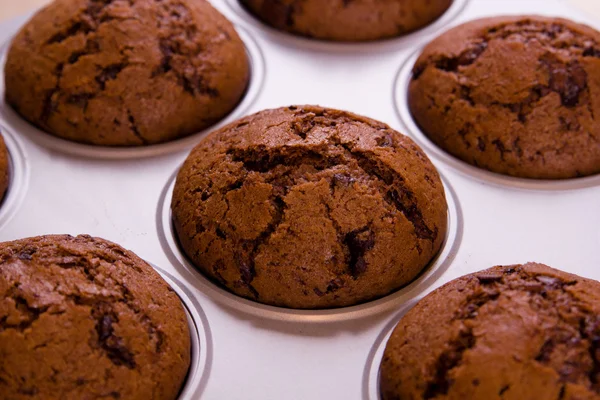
(516,332)
(4,168)
(514,95)
(126,72)
(82,318)
(309,207)
(347,20)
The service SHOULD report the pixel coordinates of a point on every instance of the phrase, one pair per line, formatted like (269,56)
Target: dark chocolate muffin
(4,168)
(126,72)
(82,318)
(516,332)
(347,20)
(309,207)
(514,95)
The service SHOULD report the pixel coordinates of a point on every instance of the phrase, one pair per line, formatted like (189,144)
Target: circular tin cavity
(410,127)
(201,340)
(292,40)
(12,119)
(371,373)
(438,265)
(18,176)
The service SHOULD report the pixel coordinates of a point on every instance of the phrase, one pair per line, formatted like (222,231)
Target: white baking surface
(261,358)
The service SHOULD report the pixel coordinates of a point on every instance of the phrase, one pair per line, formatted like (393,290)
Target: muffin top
(347,20)
(515,332)
(82,318)
(4,168)
(309,207)
(126,72)
(514,95)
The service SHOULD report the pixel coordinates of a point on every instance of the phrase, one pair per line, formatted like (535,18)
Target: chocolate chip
(465,58)
(342,179)
(591,52)
(246,272)
(335,284)
(489,278)
(418,70)
(80,99)
(200,227)
(385,141)
(219,232)
(480,144)
(109,73)
(449,359)
(24,256)
(569,80)
(112,344)
(105,327)
(503,389)
(469,56)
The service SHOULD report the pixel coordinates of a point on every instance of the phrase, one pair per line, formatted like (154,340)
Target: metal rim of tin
(371,373)
(290,39)
(410,127)
(18,176)
(430,274)
(201,339)
(257,77)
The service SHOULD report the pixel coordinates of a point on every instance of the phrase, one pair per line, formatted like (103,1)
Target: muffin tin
(258,352)
(403,41)
(429,275)
(18,175)
(17,124)
(201,340)
(410,127)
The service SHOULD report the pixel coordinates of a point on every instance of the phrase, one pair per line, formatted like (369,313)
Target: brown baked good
(83,318)
(126,73)
(514,95)
(309,207)
(514,332)
(347,20)
(4,168)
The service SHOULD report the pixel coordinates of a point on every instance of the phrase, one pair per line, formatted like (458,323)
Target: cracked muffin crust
(347,20)
(126,72)
(4,168)
(309,207)
(514,95)
(513,332)
(82,318)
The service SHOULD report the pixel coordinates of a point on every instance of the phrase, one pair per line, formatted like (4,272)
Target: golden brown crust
(81,317)
(347,20)
(515,332)
(4,168)
(514,95)
(126,73)
(309,207)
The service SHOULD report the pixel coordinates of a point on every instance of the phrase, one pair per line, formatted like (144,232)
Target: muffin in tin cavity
(4,168)
(126,72)
(517,95)
(513,332)
(307,207)
(81,317)
(347,20)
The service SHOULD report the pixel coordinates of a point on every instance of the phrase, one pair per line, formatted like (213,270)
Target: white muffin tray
(253,352)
